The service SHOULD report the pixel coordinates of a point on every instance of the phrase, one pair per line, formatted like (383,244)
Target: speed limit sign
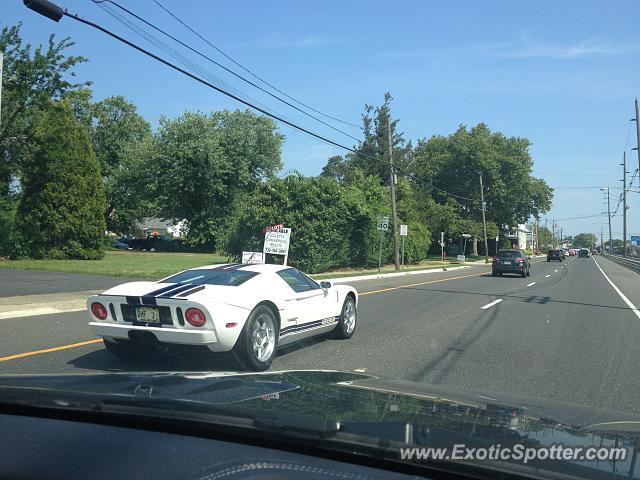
(383,224)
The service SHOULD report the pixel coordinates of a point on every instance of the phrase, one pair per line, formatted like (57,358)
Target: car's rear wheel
(258,342)
(348,318)
(120,350)
(523,273)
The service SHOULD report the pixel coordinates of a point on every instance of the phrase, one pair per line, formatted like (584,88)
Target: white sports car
(250,309)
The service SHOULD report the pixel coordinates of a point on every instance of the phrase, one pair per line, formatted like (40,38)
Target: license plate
(507,263)
(148,314)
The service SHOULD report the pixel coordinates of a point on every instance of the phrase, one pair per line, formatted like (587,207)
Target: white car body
(226,308)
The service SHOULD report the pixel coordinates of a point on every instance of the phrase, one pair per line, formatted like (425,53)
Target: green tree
(450,167)
(31,78)
(118,135)
(332,225)
(60,214)
(203,165)
(586,240)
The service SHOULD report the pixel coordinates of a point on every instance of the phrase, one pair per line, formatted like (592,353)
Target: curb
(393,274)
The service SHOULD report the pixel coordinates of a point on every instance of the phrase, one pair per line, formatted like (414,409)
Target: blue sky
(563,74)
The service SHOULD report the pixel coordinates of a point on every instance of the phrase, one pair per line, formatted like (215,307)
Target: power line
(255,75)
(221,84)
(223,67)
(55,12)
(179,57)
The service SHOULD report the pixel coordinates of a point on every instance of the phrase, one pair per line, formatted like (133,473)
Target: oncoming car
(247,309)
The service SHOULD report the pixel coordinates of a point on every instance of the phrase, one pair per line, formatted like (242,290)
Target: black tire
(523,273)
(344,330)
(121,350)
(244,351)
(494,274)
(528,272)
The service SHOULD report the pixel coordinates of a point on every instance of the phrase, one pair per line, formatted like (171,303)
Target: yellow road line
(418,284)
(90,342)
(48,350)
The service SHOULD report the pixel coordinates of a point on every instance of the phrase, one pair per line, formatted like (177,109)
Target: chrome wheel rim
(349,316)
(263,337)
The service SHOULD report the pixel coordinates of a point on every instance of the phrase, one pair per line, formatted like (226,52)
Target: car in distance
(555,255)
(572,252)
(249,310)
(511,261)
(583,253)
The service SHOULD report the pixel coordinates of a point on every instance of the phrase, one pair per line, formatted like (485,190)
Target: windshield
(443,197)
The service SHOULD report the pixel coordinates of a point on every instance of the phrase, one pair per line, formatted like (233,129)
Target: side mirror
(325,285)
(529,257)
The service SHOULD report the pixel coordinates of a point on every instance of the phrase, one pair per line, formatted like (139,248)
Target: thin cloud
(586,48)
(311,40)
(529,49)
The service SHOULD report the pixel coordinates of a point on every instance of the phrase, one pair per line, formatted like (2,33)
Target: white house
(521,237)
(156,227)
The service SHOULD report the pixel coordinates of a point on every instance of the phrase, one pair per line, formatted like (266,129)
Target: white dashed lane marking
(489,305)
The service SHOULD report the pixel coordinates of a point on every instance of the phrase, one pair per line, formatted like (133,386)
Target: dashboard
(53,448)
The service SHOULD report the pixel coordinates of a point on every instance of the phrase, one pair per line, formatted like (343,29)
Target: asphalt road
(564,333)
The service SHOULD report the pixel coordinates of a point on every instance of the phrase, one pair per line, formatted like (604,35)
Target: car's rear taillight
(195,317)
(99,311)
(519,259)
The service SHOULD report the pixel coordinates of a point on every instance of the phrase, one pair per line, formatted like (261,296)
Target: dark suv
(555,255)
(583,253)
(511,261)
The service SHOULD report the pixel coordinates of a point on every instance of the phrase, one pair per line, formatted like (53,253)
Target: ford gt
(250,310)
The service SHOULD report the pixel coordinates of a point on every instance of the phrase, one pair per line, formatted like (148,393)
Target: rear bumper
(508,268)
(164,335)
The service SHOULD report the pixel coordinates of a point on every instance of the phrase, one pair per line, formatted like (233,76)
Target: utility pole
(561,236)
(601,240)
(624,204)
(537,242)
(637,134)
(609,214)
(553,233)
(546,232)
(484,222)
(394,212)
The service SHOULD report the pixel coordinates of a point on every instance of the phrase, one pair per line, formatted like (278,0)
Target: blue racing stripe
(161,290)
(176,290)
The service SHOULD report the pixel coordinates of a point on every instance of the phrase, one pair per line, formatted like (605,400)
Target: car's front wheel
(258,342)
(348,318)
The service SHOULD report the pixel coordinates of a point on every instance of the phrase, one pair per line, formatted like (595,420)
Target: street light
(464,249)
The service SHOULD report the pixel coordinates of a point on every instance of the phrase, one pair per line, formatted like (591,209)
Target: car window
(509,254)
(298,281)
(232,278)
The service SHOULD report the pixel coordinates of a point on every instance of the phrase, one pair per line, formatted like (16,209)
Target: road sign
(272,228)
(461,258)
(404,230)
(383,224)
(635,239)
(252,257)
(277,242)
